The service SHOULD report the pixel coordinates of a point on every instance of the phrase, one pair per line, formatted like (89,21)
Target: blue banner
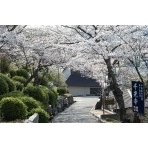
(138,97)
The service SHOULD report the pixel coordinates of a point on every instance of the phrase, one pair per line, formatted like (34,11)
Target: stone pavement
(79,112)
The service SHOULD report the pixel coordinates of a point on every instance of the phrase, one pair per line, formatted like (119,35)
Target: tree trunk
(34,75)
(114,87)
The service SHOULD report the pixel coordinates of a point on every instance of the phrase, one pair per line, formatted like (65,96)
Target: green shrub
(61,91)
(3,86)
(13,94)
(52,98)
(43,80)
(23,73)
(12,109)
(5,64)
(12,73)
(19,86)
(19,79)
(37,93)
(30,102)
(43,115)
(10,82)
(44,89)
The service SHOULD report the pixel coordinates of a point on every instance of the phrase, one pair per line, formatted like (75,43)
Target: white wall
(75,91)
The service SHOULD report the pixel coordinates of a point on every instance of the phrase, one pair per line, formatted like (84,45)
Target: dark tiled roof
(76,79)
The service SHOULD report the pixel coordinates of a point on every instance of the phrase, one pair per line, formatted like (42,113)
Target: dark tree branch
(13,27)
(126,43)
(116,47)
(70,43)
(2,45)
(74,29)
(85,32)
(22,29)
(95,27)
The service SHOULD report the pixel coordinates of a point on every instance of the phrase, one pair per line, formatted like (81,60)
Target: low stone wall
(33,119)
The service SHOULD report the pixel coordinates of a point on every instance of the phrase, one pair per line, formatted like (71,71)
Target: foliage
(19,86)
(12,73)
(61,91)
(30,102)
(23,73)
(49,77)
(57,77)
(10,82)
(37,93)
(43,80)
(12,109)
(14,94)
(52,98)
(20,79)
(3,86)
(43,115)
(4,64)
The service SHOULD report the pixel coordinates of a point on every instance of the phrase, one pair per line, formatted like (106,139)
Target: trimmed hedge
(19,86)
(52,98)
(10,82)
(61,91)
(3,86)
(13,94)
(12,73)
(37,93)
(30,102)
(19,79)
(23,73)
(51,95)
(12,109)
(43,115)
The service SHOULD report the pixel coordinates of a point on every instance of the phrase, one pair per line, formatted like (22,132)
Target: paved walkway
(79,112)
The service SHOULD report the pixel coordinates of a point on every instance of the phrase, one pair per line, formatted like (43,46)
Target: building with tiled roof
(79,85)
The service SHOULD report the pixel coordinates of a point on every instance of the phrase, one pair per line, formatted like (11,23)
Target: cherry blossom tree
(99,48)
(92,49)
(35,49)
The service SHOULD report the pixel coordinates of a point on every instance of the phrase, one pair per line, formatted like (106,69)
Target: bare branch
(116,47)
(85,32)
(22,29)
(13,27)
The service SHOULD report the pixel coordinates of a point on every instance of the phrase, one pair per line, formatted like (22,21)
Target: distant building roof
(76,79)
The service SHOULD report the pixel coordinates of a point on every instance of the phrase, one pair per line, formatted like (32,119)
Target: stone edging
(33,119)
(97,116)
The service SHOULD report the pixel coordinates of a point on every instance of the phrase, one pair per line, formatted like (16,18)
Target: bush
(19,79)
(12,109)
(19,86)
(12,73)
(52,98)
(43,115)
(43,81)
(37,93)
(13,94)
(30,102)
(23,73)
(5,64)
(61,91)
(3,86)
(10,82)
